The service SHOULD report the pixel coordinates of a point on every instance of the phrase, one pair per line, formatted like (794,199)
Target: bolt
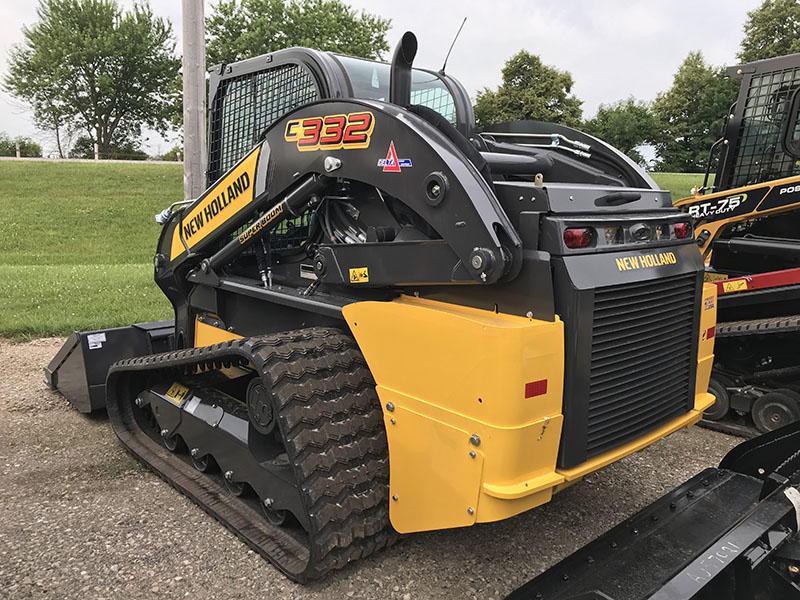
(470,510)
(204,266)
(228,475)
(394,497)
(392,421)
(529,314)
(483,276)
(477,261)
(794,569)
(139,401)
(164,433)
(268,502)
(319,266)
(195,452)
(472,454)
(475,440)
(613,544)
(436,189)
(332,163)
(390,406)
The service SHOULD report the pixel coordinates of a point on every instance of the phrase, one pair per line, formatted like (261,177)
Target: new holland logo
(392,164)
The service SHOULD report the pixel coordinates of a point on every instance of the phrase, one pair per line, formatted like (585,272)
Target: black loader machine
(748,230)
(386,323)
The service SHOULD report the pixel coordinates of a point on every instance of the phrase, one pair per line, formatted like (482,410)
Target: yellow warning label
(359,275)
(734,286)
(177,392)
(715,276)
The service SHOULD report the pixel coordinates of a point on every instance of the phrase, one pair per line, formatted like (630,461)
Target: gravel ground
(80,518)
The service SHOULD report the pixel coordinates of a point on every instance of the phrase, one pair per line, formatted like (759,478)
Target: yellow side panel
(705,351)
(426,486)
(456,380)
(207,335)
(228,197)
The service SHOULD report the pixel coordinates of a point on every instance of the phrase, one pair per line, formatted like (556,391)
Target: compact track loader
(747,227)
(385,322)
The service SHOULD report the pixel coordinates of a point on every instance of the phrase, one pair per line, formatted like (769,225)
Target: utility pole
(194,93)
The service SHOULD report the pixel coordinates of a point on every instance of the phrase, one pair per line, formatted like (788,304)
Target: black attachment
(79,369)
(400,76)
(729,532)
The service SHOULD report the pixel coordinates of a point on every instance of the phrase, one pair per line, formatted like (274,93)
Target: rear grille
(643,335)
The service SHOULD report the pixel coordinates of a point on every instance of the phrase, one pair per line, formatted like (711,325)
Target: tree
(773,29)
(87,65)
(27,147)
(626,125)
(690,114)
(119,149)
(238,29)
(530,90)
(173,154)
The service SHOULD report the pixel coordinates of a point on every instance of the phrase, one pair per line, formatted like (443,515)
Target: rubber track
(759,326)
(331,422)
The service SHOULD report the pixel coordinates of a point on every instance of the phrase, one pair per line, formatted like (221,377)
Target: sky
(613,48)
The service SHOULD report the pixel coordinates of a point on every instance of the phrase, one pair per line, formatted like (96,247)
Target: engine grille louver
(641,362)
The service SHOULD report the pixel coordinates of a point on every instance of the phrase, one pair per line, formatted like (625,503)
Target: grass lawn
(77,242)
(680,184)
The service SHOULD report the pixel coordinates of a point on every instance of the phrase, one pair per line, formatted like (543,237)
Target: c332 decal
(331,132)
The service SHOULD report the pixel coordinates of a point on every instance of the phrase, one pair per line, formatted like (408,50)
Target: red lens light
(683,230)
(712,331)
(578,237)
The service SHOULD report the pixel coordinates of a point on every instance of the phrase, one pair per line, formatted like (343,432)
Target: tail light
(683,230)
(578,237)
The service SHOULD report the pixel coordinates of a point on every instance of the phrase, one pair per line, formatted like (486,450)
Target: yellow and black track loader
(386,322)
(748,229)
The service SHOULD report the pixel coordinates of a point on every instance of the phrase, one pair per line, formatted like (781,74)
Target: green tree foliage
(530,90)
(626,125)
(173,154)
(119,149)
(27,147)
(89,66)
(773,29)
(238,29)
(690,115)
